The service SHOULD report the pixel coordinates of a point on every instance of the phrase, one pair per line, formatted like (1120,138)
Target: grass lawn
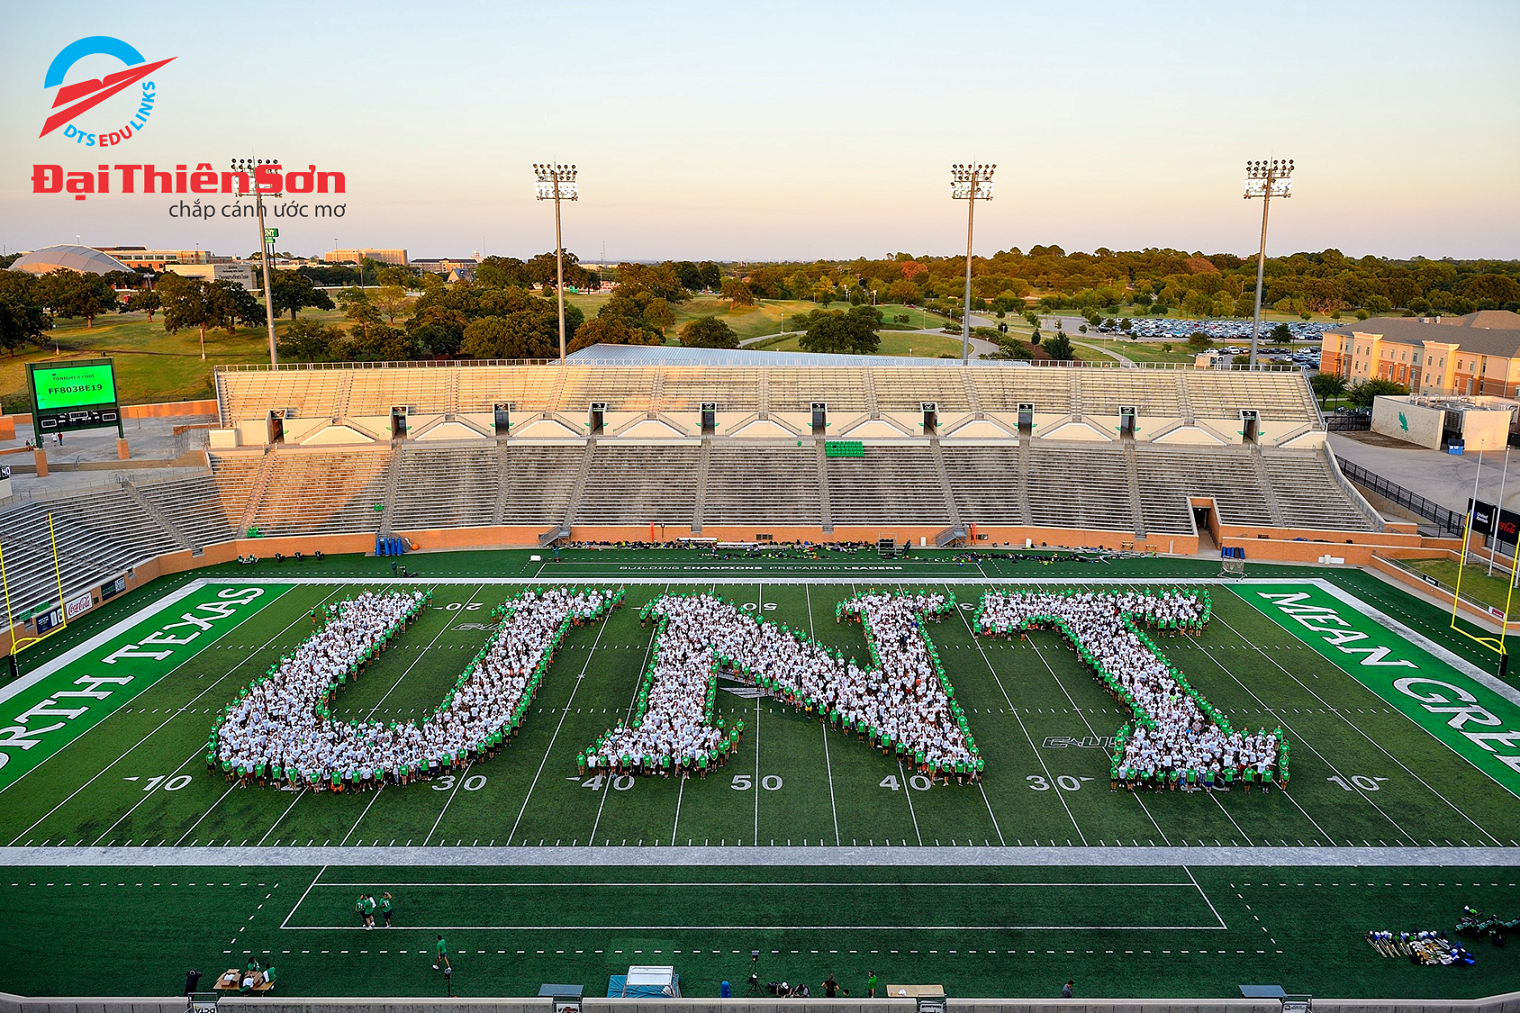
(151,364)
(1477,585)
(765,317)
(912,343)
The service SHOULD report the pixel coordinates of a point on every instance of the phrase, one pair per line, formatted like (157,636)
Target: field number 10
(1361,781)
(170,784)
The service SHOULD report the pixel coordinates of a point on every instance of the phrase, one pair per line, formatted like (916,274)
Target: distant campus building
(238,271)
(395,257)
(1474,354)
(74,258)
(156,260)
(445,265)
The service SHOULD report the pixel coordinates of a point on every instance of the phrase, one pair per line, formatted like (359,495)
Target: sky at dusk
(792,131)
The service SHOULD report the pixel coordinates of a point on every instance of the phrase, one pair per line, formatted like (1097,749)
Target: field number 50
(741,782)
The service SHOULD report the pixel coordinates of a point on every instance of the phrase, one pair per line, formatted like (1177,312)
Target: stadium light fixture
(556,182)
(971,182)
(249,166)
(1265,180)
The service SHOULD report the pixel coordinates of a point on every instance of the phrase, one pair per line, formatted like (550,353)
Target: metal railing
(1447,519)
(1347,422)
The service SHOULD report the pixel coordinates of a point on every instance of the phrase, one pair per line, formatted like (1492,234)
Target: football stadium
(918,677)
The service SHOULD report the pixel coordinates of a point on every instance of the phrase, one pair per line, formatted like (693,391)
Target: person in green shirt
(871,986)
(359,910)
(369,911)
(386,905)
(441,954)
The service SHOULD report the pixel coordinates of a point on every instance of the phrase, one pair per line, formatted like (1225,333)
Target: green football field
(809,845)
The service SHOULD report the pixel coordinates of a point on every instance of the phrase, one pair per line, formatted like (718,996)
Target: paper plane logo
(79,97)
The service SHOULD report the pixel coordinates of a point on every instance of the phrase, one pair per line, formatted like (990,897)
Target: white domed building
(73,258)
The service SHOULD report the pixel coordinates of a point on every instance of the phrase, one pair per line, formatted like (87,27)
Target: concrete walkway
(760,856)
(1442,478)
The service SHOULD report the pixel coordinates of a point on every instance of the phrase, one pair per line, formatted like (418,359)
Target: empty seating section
(1307,493)
(540,482)
(889,485)
(530,389)
(621,388)
(762,484)
(639,485)
(793,389)
(1227,474)
(1279,397)
(446,487)
(1152,393)
(1079,486)
(985,483)
(322,492)
(684,388)
(100,534)
(1003,390)
(906,389)
(376,391)
(196,508)
(249,394)
(234,475)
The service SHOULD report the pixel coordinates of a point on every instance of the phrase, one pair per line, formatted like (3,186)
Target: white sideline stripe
(1391,624)
(788,884)
(78,651)
(601,857)
(763,928)
(758,576)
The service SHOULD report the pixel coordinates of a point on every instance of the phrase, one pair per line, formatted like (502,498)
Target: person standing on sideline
(830,988)
(441,955)
(871,986)
(1066,988)
(385,908)
(359,910)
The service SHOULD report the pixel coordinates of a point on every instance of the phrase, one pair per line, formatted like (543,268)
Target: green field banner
(1478,723)
(39,716)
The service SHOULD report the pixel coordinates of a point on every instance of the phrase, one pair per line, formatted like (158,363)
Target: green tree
(230,304)
(1281,334)
(1327,385)
(1200,342)
(391,300)
(293,291)
(186,303)
(658,314)
(77,294)
(306,339)
(612,329)
(737,292)
(148,302)
(1059,348)
(364,314)
(23,319)
(851,332)
(711,277)
(902,291)
(1362,394)
(708,332)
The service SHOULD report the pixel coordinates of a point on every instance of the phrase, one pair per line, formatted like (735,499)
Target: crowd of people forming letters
(1178,739)
(281,729)
(902,703)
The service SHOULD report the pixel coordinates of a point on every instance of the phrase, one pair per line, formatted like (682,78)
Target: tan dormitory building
(396,258)
(1474,354)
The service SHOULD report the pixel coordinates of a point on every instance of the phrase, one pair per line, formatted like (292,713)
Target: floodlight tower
(555,182)
(250,167)
(969,183)
(1265,180)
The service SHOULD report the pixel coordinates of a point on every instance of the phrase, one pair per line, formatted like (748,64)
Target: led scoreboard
(79,394)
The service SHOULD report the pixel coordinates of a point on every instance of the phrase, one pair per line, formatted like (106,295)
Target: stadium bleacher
(894,473)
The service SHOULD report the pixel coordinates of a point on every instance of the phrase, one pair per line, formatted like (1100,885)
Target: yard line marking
(450,801)
(680,794)
(199,818)
(628,716)
(788,883)
(756,786)
(908,793)
(446,623)
(145,738)
(1092,731)
(365,813)
(1032,747)
(575,688)
(302,898)
(1353,726)
(827,763)
(1205,897)
(988,802)
(282,816)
